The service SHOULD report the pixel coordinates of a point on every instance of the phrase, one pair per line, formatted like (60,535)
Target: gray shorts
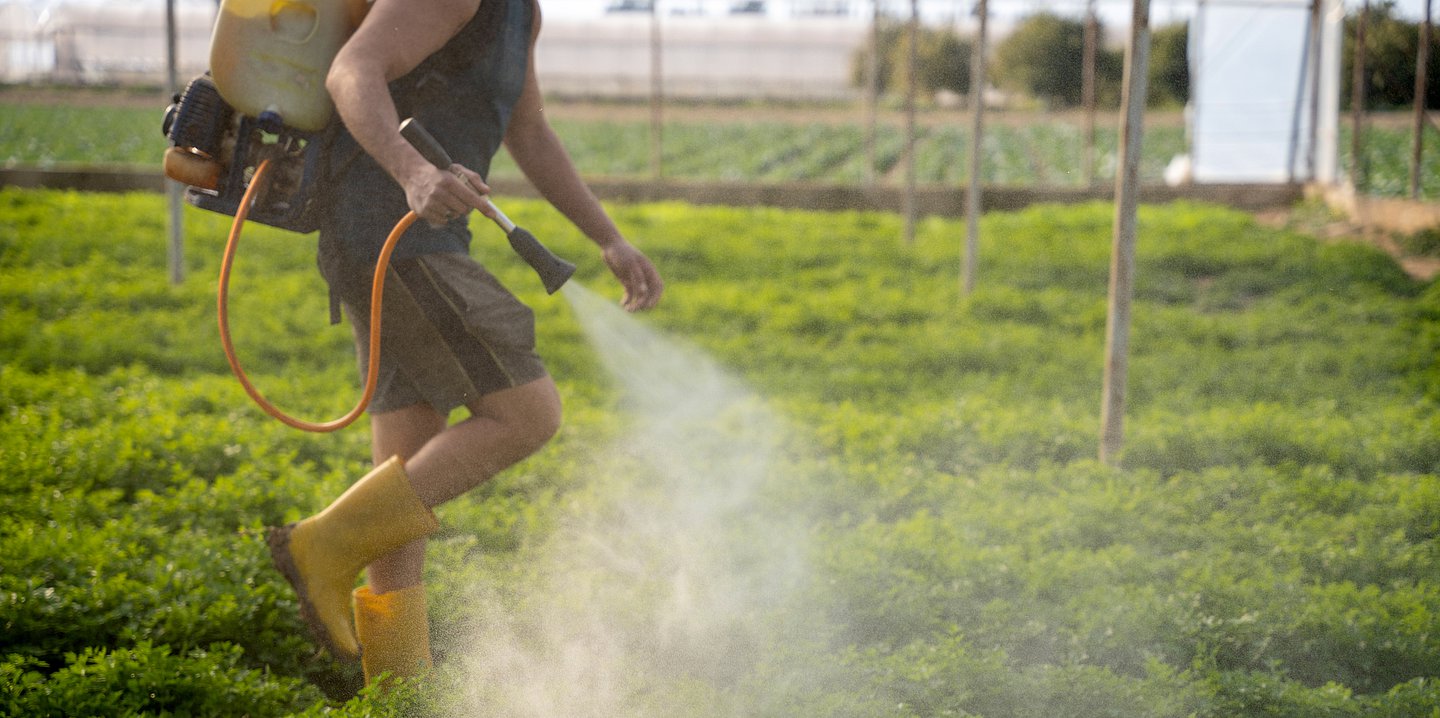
(450,331)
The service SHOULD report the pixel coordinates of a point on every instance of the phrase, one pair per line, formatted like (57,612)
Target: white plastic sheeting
(792,52)
(1250,94)
(23,50)
(94,41)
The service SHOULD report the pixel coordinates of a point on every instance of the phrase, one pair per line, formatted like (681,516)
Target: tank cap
(270,121)
(294,21)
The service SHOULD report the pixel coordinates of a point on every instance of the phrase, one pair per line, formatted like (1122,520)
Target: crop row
(1045,152)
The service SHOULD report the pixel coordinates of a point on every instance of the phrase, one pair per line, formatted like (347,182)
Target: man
(453,336)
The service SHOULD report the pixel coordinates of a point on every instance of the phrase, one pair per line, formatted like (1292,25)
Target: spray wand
(553,270)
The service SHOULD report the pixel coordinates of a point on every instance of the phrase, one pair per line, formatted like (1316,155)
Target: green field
(1045,152)
(815,482)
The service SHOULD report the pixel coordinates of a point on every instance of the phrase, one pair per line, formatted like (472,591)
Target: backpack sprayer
(244,139)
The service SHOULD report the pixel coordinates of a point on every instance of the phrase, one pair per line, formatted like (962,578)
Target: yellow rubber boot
(321,555)
(394,632)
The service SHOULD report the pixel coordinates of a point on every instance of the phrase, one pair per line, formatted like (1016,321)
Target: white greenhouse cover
(1249,116)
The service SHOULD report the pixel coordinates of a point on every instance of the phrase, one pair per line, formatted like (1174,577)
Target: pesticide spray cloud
(657,603)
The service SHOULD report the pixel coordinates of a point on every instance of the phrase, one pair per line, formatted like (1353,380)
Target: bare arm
(396,36)
(538,152)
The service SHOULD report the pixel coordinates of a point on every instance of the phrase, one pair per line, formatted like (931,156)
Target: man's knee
(541,426)
(529,414)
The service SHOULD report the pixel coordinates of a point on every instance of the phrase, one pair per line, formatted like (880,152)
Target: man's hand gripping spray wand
(553,271)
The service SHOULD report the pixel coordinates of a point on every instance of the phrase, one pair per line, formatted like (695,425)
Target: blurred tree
(943,59)
(1170,65)
(889,34)
(1042,58)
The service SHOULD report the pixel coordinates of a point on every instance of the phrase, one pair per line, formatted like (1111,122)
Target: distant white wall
(94,43)
(727,57)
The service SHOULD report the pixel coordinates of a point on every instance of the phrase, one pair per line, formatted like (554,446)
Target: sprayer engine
(215,151)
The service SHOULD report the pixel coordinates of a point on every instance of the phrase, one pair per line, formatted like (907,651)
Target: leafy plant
(895,511)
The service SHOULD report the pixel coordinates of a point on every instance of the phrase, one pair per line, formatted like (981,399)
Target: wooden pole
(1317,39)
(912,82)
(1197,59)
(1358,166)
(657,97)
(977,136)
(1422,61)
(1087,93)
(174,192)
(872,92)
(1122,255)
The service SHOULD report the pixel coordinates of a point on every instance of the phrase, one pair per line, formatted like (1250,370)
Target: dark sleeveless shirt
(463,94)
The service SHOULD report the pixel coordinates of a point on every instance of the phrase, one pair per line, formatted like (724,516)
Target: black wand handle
(553,270)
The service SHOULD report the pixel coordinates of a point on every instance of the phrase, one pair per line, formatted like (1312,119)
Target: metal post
(911,89)
(1122,255)
(977,136)
(175,256)
(1327,142)
(1422,61)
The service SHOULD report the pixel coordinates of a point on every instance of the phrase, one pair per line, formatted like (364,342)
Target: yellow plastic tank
(271,56)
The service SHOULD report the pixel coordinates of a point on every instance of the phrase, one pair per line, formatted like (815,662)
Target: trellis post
(872,91)
(657,96)
(1359,169)
(1122,253)
(1087,93)
(1422,62)
(912,81)
(977,136)
(174,192)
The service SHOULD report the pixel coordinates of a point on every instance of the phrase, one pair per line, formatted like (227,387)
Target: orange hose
(377,291)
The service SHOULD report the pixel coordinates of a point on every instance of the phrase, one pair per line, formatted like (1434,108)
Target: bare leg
(402,433)
(442,463)
(503,428)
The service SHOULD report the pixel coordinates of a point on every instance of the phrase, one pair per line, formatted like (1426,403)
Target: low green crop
(1044,152)
(57,134)
(148,679)
(897,513)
